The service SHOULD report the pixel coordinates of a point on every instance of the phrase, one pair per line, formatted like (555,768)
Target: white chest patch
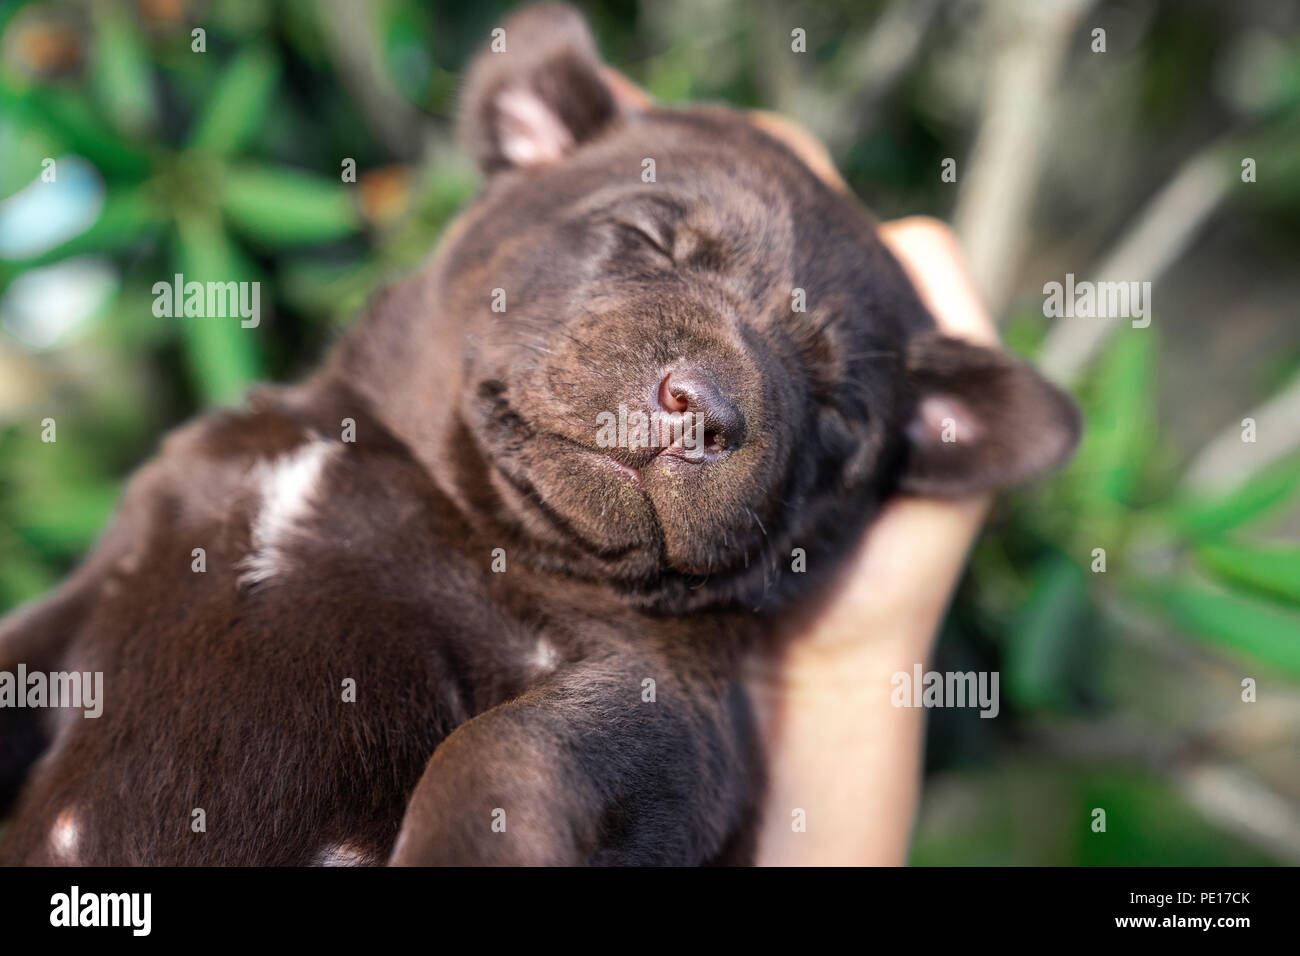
(289,487)
(545,657)
(65,835)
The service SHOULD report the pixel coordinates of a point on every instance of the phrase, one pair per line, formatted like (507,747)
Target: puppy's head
(687,353)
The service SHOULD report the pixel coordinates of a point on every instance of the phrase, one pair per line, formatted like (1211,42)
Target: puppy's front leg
(592,765)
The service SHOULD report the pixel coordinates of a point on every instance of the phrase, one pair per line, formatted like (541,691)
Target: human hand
(837,750)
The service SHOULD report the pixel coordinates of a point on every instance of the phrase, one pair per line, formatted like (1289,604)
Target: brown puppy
(541,619)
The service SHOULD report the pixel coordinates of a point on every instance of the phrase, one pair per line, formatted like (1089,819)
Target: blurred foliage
(226,164)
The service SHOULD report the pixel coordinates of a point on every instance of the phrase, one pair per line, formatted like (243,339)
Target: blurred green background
(1121,689)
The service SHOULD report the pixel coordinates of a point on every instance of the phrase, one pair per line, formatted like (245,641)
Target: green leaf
(1207,516)
(1265,633)
(26,148)
(77,129)
(1040,658)
(283,207)
(121,68)
(1119,412)
(405,29)
(1269,570)
(223,356)
(239,104)
(1097,490)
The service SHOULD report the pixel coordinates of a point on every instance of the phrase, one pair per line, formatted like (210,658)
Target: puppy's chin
(579,504)
(659,531)
(711,514)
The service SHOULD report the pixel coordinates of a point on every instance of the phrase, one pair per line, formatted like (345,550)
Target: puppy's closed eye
(657,238)
(647,224)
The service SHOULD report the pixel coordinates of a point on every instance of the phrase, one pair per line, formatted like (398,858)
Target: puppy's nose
(691,390)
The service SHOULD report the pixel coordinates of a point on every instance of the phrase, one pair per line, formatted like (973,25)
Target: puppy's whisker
(549,329)
(541,338)
(767,551)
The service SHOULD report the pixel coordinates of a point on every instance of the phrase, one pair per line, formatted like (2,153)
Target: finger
(931,257)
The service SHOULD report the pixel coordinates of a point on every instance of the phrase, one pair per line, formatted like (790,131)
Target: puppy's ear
(981,419)
(539,90)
